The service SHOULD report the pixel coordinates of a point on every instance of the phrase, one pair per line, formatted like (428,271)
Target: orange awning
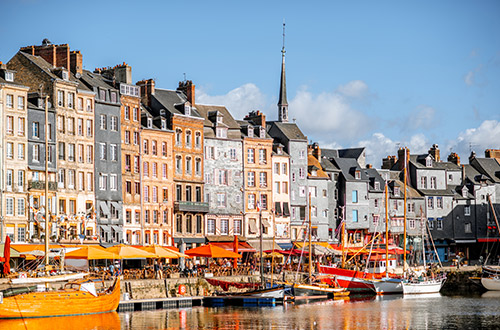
(163,252)
(211,251)
(129,252)
(242,246)
(91,253)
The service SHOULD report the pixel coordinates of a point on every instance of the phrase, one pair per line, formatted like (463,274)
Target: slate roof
(328,165)
(171,101)
(374,175)
(348,166)
(330,153)
(290,130)
(351,152)
(487,166)
(227,120)
(431,192)
(95,80)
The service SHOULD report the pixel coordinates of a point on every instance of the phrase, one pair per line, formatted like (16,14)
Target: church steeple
(282,102)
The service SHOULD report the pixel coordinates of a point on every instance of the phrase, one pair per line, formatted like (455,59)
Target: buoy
(182,289)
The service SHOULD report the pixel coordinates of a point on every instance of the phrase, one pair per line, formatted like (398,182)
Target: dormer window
(9,76)
(464,192)
(150,122)
(102,94)
(396,191)
(428,162)
(221,132)
(250,131)
(357,175)
(113,97)
(163,124)
(376,185)
(187,110)
(219,118)
(262,132)
(279,151)
(64,75)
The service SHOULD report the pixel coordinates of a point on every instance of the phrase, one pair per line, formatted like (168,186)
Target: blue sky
(359,73)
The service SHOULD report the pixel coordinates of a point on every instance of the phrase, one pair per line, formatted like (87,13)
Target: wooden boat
(45,279)
(76,298)
(353,280)
(277,292)
(318,290)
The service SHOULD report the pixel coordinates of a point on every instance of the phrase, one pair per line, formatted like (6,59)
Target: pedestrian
(156,269)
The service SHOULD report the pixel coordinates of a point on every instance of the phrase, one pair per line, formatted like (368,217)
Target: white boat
(388,285)
(276,292)
(491,283)
(424,286)
(45,279)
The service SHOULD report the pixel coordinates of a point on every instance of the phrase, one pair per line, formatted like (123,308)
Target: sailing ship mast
(404,218)
(46,180)
(310,250)
(386,231)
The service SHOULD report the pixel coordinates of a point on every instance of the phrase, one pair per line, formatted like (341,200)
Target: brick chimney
(316,151)
(454,158)
(389,162)
(401,158)
(123,73)
(492,153)
(56,55)
(369,166)
(434,151)
(257,118)
(147,89)
(76,62)
(188,88)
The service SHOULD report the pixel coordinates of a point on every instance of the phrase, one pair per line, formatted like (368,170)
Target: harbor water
(387,312)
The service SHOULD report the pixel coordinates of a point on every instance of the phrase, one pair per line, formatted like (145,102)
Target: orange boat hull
(59,303)
(108,321)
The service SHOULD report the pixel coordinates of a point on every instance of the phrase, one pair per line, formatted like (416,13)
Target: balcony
(191,207)
(40,185)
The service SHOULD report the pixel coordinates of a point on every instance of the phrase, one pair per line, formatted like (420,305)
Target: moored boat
(352,280)
(432,285)
(76,298)
(388,285)
(491,283)
(317,290)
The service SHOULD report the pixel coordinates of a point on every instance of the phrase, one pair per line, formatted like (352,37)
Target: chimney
(401,158)
(147,89)
(56,55)
(257,118)
(389,162)
(492,153)
(316,152)
(76,62)
(434,151)
(123,73)
(187,87)
(472,156)
(369,166)
(454,158)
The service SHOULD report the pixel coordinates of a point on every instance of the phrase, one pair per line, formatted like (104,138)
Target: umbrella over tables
(162,252)
(130,252)
(91,253)
(211,251)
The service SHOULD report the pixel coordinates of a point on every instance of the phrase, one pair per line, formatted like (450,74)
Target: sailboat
(490,278)
(75,298)
(326,286)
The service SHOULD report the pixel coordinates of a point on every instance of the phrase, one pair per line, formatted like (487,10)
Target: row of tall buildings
(134,163)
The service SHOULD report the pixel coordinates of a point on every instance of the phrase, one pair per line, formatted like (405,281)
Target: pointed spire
(282,102)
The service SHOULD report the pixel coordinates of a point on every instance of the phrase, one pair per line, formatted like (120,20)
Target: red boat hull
(354,281)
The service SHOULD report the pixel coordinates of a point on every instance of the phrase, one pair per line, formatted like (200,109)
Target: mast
(386,232)
(310,248)
(404,225)
(343,237)
(260,253)
(46,180)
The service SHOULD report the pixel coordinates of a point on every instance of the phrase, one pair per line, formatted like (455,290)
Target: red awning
(488,239)
(242,246)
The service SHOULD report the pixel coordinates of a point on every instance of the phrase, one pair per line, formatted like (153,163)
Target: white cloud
(423,117)
(327,115)
(469,78)
(238,101)
(486,136)
(354,89)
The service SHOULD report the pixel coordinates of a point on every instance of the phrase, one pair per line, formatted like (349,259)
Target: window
(263,179)
(9,76)
(376,219)
(188,165)
(36,129)
(113,152)
(428,162)
(302,173)
(89,128)
(61,178)
(71,152)
(154,170)
(80,104)
(251,179)
(113,124)
(80,126)
(103,181)
(9,177)
(262,156)
(467,210)
(250,156)
(81,181)
(20,179)
(80,153)
(209,152)
(154,148)
(188,139)
(71,100)
(165,194)
(9,201)
(433,182)
(439,223)
(411,224)
(263,202)
(224,226)
(221,132)
(126,112)
(251,202)
(430,202)
(113,182)
(354,215)
(9,102)
(302,191)
(164,170)
(468,227)
(354,196)
(102,151)
(90,154)
(127,137)
(302,154)
(164,149)
(89,105)
(178,137)
(396,191)
(136,114)
(20,102)
(145,146)
(439,202)
(211,226)
(221,200)
(36,153)
(21,121)
(90,182)
(284,187)
(71,179)
(187,110)
(423,182)
(197,166)
(277,186)
(9,125)
(145,168)
(357,174)
(9,153)
(136,138)
(237,227)
(102,122)
(60,98)
(284,168)
(197,140)
(188,194)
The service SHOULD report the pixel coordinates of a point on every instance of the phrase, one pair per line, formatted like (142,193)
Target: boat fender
(182,289)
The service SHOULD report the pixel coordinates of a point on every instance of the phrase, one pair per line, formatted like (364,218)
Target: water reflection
(386,312)
(105,321)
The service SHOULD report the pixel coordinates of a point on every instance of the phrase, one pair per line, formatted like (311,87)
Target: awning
(105,209)
(482,240)
(252,224)
(286,209)
(189,240)
(106,228)
(266,245)
(286,246)
(465,241)
(117,229)
(242,246)
(116,205)
(277,209)
(266,223)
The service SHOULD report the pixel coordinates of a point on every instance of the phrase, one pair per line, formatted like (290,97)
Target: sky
(377,74)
